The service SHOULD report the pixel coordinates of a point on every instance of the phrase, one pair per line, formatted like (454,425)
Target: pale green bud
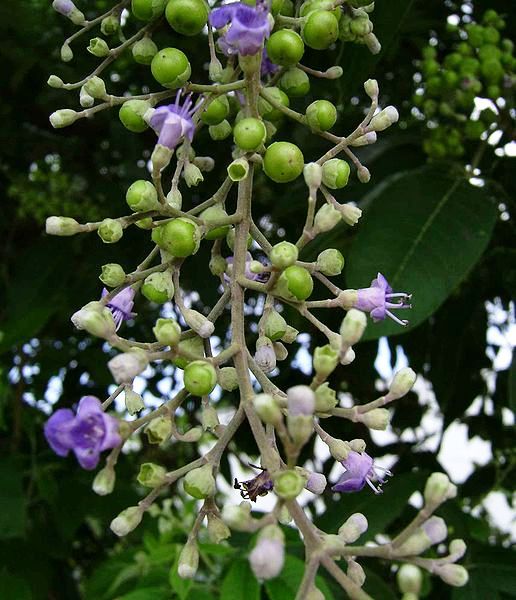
(290,335)
(218,531)
(373,43)
(438,489)
(63,118)
(338,448)
(188,561)
(457,548)
(267,408)
(158,287)
(334,72)
(455,575)
(288,484)
(198,322)
(96,319)
(357,445)
(167,332)
(104,481)
(175,199)
(363,174)
(96,88)
(126,366)
(315,594)
(98,47)
(237,517)
(209,417)
(142,196)
(274,325)
(356,573)
(330,262)
(55,82)
(151,475)
(215,70)
(433,531)
(85,100)
(110,231)
(112,275)
(365,140)
(192,435)
(160,157)
(158,430)
(217,265)
(228,378)
(325,398)
(353,327)
(238,169)
(144,51)
(192,175)
(110,25)
(205,163)
(384,119)
(126,521)
(378,418)
(200,483)
(62,226)
(133,401)
(283,254)
(335,173)
(353,528)
(66,53)
(371,88)
(402,383)
(312,173)
(325,360)
(410,579)
(326,218)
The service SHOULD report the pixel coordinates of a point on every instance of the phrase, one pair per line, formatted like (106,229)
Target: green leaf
(424,230)
(13,588)
(148,593)
(240,583)
(12,504)
(285,586)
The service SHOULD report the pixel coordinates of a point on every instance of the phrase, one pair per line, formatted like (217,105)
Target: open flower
(248,27)
(174,121)
(87,433)
(376,300)
(360,469)
(121,305)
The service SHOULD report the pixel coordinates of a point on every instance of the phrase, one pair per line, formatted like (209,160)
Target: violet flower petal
(57,431)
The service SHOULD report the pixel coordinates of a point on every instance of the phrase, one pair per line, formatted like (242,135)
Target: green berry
(267,110)
(321,29)
(144,51)
(145,10)
(469,67)
(216,111)
(142,196)
(330,262)
(283,255)
(295,83)
(171,68)
(180,237)
(298,282)
(249,134)
(283,162)
(212,214)
(200,378)
(335,173)
(321,115)
(285,48)
(158,287)
(187,16)
(131,114)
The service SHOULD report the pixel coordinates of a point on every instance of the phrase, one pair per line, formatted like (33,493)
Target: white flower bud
(62,226)
(371,88)
(198,322)
(402,383)
(410,579)
(188,561)
(378,419)
(96,319)
(265,356)
(267,408)
(438,489)
(334,72)
(384,119)
(316,483)
(126,366)
(433,531)
(348,358)
(312,173)
(104,481)
(350,214)
(126,521)
(365,140)
(373,43)
(455,575)
(267,558)
(353,528)
(326,218)
(300,401)
(353,327)
(63,118)
(66,53)
(161,156)
(205,163)
(55,82)
(356,573)
(457,549)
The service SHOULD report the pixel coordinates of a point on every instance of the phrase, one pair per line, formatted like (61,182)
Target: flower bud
(312,173)
(188,562)
(96,88)
(334,72)
(110,231)
(338,448)
(96,319)
(200,377)
(221,131)
(433,531)
(402,383)
(218,531)
(357,445)
(98,47)
(438,489)
(228,379)
(265,356)
(142,196)
(378,419)
(161,155)
(126,366)
(62,226)
(353,528)
(283,255)
(158,430)
(144,51)
(63,118)
(209,417)
(158,287)
(363,174)
(316,483)
(356,573)
(365,140)
(384,119)
(325,360)
(326,218)
(110,24)
(151,475)
(410,579)
(112,275)
(335,173)
(325,398)
(301,401)
(238,169)
(455,575)
(85,100)
(68,9)
(290,335)
(167,332)
(217,265)
(371,88)
(104,481)
(315,594)
(274,325)
(373,43)
(237,517)
(267,557)
(55,82)
(192,435)
(350,214)
(321,115)
(330,262)
(288,484)
(66,53)
(200,483)
(457,549)
(267,408)
(353,327)
(126,521)
(133,401)
(198,322)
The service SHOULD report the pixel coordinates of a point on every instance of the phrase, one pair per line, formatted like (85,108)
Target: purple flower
(267,67)
(121,305)
(87,433)
(248,27)
(174,121)
(376,300)
(360,469)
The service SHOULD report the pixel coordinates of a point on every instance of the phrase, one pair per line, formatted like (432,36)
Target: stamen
(376,490)
(403,322)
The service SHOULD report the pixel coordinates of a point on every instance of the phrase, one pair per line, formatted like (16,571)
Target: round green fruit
(283,162)
(171,68)
(187,16)
(180,237)
(295,83)
(320,30)
(145,10)
(285,47)
(321,115)
(249,134)
(200,378)
(131,115)
(211,215)
(298,281)
(216,111)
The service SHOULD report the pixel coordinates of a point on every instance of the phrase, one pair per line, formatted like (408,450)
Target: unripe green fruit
(249,134)
(295,83)
(171,68)
(211,214)
(321,115)
(283,255)
(313,5)
(298,281)
(320,30)
(167,331)
(216,111)
(230,240)
(469,67)
(187,16)
(131,114)
(288,9)
(220,131)
(283,162)
(158,287)
(330,262)
(142,196)
(200,378)
(335,173)
(112,275)
(267,110)
(488,52)
(145,10)
(285,48)
(110,231)
(491,35)
(180,237)
(144,51)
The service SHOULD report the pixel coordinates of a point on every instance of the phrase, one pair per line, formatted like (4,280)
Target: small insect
(258,486)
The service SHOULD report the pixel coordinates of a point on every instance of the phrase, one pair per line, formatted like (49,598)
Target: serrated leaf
(424,230)
(240,583)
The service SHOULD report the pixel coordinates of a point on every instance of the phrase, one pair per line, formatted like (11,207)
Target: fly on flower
(260,485)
